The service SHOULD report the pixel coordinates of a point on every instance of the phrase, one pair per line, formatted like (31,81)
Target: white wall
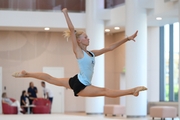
(117,16)
(153,64)
(165,7)
(30,19)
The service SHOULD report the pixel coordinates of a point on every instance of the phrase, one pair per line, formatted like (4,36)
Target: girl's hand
(132,36)
(64,10)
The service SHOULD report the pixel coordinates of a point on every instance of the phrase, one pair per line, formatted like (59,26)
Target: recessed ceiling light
(158,18)
(116,28)
(107,30)
(46,28)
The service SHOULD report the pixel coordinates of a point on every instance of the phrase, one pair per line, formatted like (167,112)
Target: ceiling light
(159,18)
(107,30)
(46,28)
(116,28)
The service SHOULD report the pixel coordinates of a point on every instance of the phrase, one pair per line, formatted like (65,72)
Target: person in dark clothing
(32,92)
(23,102)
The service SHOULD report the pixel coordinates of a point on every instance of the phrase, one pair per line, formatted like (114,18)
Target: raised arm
(72,31)
(114,45)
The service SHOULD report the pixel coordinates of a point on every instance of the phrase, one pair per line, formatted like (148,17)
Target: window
(176,60)
(169,62)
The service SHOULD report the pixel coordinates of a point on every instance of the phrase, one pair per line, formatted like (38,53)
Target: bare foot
(138,89)
(19,74)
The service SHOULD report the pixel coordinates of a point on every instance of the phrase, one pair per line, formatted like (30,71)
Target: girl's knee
(103,91)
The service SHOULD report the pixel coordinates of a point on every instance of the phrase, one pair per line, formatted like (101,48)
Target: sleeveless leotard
(86,66)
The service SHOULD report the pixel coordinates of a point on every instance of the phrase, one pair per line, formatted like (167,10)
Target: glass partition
(43,5)
(52,5)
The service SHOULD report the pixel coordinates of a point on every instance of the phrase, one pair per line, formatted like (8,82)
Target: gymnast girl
(81,82)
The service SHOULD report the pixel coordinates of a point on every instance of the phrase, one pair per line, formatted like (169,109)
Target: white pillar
(95,32)
(136,58)
(179,62)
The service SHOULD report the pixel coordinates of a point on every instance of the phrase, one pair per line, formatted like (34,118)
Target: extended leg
(17,104)
(93,91)
(45,77)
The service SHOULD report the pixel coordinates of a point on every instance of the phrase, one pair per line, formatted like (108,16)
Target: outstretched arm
(115,45)
(72,30)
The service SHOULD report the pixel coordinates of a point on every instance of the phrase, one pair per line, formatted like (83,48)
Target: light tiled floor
(71,116)
(110,117)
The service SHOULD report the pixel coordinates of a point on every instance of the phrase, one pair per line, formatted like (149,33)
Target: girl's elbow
(110,49)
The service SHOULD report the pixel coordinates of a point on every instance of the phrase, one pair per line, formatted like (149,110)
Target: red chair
(42,106)
(8,109)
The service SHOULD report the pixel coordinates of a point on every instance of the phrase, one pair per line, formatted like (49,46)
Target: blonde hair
(67,34)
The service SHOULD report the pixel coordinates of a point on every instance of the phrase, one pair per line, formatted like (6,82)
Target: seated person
(6,100)
(23,102)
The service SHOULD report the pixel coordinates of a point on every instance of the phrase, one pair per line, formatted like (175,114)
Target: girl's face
(83,39)
(5,96)
(25,93)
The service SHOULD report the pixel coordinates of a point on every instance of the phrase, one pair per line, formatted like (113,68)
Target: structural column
(179,60)
(136,58)
(95,32)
